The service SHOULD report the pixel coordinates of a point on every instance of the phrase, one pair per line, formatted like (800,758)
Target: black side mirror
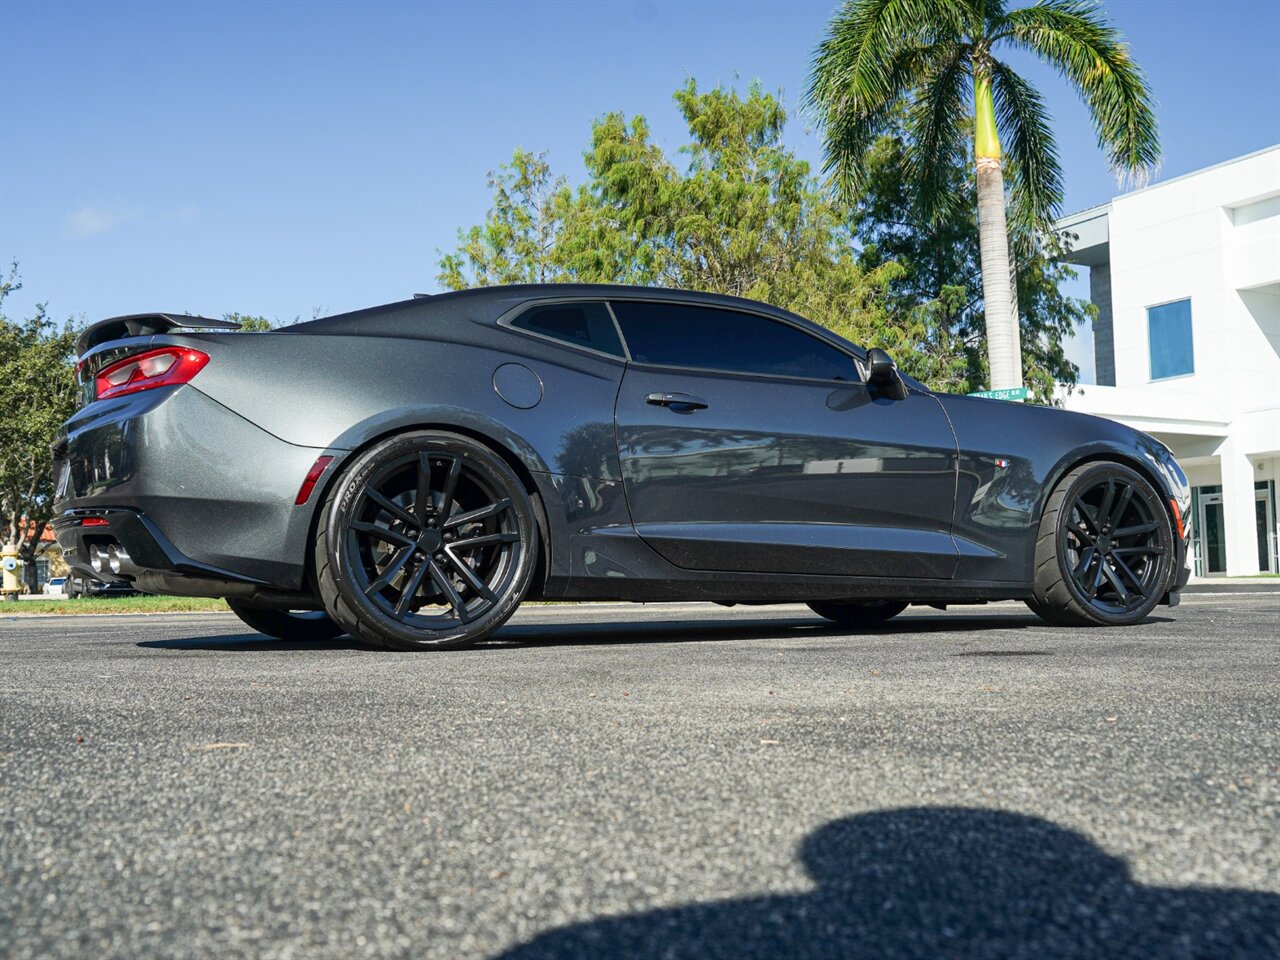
(882,375)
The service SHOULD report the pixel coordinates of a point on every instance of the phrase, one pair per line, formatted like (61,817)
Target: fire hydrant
(12,581)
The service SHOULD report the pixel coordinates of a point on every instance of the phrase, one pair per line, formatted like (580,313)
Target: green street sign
(1011,393)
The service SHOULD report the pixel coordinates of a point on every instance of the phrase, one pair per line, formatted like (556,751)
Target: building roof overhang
(1153,411)
(1087,235)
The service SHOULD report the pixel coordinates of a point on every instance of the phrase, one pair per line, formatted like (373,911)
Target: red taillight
(94,522)
(309,481)
(164,367)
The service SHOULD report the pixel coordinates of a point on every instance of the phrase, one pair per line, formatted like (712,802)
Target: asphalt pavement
(666,780)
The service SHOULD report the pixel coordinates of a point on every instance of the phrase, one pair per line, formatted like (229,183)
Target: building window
(1169,338)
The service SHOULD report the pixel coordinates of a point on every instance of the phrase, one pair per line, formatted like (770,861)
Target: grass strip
(101,605)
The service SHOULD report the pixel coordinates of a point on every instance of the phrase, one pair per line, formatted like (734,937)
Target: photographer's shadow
(942,884)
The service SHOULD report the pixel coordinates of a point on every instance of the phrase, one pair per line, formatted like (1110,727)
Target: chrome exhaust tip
(117,558)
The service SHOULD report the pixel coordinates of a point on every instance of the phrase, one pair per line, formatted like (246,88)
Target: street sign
(1010,393)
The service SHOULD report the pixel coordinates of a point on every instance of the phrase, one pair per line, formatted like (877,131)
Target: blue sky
(286,158)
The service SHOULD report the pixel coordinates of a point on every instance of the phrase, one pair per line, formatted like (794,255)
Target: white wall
(1212,237)
(1204,237)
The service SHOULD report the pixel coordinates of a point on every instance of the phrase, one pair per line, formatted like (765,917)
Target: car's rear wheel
(304,626)
(1104,550)
(858,615)
(427,540)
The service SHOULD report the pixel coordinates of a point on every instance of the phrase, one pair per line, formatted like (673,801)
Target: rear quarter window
(581,324)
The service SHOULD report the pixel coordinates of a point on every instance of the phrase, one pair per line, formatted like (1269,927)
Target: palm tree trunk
(1004,348)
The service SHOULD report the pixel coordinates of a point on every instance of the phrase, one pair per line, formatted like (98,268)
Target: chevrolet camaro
(408,474)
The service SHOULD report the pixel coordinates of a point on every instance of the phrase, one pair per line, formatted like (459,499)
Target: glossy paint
(788,476)
(216,486)
(998,506)
(778,488)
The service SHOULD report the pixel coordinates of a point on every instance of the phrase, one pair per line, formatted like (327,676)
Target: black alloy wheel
(427,540)
(858,614)
(1104,554)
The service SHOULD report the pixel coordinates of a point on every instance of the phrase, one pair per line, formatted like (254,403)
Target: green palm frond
(1076,38)
(1031,156)
(850,128)
(854,64)
(988,14)
(874,53)
(937,122)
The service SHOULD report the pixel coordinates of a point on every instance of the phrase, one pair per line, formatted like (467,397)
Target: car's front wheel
(864,615)
(427,540)
(303,626)
(1104,550)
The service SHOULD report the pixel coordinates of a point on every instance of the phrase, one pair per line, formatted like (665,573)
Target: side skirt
(745,588)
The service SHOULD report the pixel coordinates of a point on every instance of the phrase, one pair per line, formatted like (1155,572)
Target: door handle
(677,401)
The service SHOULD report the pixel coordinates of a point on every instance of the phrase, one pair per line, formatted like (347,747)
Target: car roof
(495,301)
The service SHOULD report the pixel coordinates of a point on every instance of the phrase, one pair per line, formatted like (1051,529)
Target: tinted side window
(584,324)
(678,335)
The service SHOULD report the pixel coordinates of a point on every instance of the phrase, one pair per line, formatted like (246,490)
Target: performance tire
(1104,549)
(426,542)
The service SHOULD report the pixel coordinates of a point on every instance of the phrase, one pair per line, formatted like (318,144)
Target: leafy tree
(939,294)
(37,393)
(936,57)
(741,215)
(738,213)
(516,243)
(250,324)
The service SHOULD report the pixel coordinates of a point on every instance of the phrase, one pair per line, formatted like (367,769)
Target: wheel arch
(1101,453)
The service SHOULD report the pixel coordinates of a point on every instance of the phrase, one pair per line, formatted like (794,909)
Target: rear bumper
(119,545)
(186,492)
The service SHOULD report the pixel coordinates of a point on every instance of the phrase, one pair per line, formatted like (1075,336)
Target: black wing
(144,324)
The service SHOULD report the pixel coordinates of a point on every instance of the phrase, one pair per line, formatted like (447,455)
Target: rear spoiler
(145,324)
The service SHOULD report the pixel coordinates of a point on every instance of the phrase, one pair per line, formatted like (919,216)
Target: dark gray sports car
(409,473)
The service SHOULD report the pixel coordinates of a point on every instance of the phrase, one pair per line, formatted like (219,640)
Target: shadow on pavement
(619,632)
(688,631)
(249,643)
(945,882)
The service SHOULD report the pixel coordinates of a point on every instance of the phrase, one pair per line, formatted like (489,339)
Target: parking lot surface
(665,780)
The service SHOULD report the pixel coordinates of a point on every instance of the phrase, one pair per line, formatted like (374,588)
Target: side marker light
(312,477)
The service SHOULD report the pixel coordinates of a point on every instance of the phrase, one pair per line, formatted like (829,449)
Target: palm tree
(932,63)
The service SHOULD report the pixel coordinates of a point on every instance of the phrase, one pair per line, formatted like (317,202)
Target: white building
(1186,278)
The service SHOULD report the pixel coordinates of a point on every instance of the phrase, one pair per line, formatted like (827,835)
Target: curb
(1192,588)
